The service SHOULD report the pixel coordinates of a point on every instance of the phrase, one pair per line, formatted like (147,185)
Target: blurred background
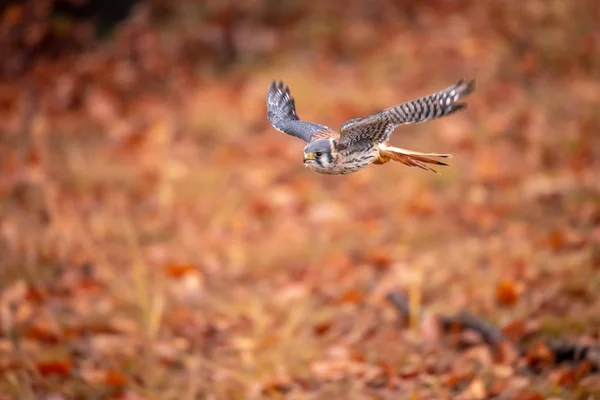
(159,239)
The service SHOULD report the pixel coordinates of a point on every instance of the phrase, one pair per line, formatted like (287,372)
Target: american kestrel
(363,141)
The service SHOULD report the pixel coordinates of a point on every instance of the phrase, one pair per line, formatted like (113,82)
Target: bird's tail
(410,158)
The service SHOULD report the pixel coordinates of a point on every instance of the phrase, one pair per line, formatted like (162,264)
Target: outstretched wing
(379,126)
(281,112)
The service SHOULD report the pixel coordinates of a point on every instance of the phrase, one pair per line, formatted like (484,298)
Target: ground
(160,240)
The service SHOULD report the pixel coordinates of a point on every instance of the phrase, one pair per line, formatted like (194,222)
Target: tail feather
(411,158)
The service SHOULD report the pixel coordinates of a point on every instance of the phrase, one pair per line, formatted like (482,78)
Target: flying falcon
(363,141)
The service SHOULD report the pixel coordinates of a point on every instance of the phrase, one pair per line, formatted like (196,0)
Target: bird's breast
(352,160)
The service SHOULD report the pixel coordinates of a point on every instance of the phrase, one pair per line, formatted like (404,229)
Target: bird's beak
(308,157)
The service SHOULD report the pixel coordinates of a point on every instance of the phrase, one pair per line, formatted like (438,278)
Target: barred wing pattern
(281,112)
(379,126)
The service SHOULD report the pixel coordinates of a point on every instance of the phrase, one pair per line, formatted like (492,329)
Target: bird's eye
(318,154)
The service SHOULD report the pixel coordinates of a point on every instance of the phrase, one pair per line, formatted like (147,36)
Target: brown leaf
(352,296)
(514,330)
(56,367)
(505,352)
(497,387)
(276,387)
(388,369)
(409,372)
(115,379)
(457,377)
(569,376)
(35,295)
(529,395)
(260,208)
(540,355)
(180,270)
(379,258)
(556,240)
(13,15)
(507,292)
(322,328)
(43,333)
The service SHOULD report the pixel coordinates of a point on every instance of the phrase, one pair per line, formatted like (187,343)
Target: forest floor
(160,240)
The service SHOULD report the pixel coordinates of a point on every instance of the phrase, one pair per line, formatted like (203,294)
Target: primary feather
(281,112)
(379,126)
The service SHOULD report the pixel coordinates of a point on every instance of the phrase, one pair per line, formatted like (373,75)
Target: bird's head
(320,154)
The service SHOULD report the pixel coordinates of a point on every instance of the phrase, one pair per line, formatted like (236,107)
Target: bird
(365,140)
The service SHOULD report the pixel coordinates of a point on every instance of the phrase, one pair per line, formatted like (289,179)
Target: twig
(572,352)
(400,303)
(490,334)
(562,351)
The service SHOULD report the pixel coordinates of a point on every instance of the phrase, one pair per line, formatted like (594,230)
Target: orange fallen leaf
(528,395)
(180,270)
(379,258)
(563,376)
(505,352)
(352,296)
(115,379)
(261,208)
(42,333)
(514,330)
(56,367)
(507,292)
(583,369)
(497,387)
(409,372)
(388,369)
(556,240)
(13,15)
(540,355)
(457,377)
(90,285)
(35,296)
(322,328)
(276,387)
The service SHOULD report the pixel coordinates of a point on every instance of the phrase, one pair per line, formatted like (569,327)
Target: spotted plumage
(363,141)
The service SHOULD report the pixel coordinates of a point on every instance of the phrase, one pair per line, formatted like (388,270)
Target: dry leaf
(352,296)
(322,328)
(115,379)
(276,387)
(540,355)
(514,330)
(507,292)
(56,367)
(497,388)
(379,258)
(476,390)
(180,270)
(505,352)
(529,395)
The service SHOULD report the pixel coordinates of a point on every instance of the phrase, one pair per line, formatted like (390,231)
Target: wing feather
(281,112)
(379,126)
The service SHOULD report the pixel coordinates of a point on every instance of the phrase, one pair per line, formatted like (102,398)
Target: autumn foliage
(160,240)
